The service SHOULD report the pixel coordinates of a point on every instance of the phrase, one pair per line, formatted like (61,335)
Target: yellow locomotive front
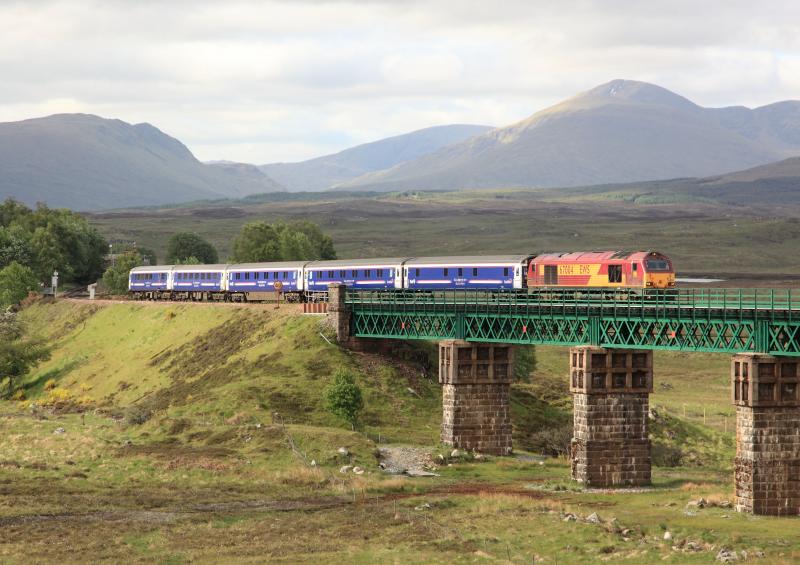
(658,271)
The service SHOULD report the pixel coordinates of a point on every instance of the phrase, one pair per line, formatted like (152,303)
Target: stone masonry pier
(765,392)
(476,381)
(611,389)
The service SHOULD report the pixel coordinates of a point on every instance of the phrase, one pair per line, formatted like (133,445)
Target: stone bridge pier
(765,391)
(611,391)
(476,383)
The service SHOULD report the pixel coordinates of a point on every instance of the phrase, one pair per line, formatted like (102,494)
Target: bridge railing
(719,303)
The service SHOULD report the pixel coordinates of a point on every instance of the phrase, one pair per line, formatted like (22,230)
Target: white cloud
(283,80)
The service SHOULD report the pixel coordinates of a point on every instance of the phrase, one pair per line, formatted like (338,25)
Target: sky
(263,82)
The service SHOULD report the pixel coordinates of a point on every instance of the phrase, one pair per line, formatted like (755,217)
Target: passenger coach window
(343,273)
(247,276)
(368,273)
(460,272)
(380,273)
(474,272)
(445,271)
(354,272)
(330,274)
(416,271)
(505,271)
(238,276)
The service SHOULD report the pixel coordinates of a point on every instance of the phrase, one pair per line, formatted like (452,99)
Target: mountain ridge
(84,161)
(621,131)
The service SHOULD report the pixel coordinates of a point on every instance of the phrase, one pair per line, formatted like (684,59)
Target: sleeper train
(302,280)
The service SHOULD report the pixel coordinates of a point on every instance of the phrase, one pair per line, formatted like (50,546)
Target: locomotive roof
(468,259)
(380,261)
(600,256)
(276,265)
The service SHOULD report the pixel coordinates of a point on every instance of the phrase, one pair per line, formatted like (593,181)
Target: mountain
(618,132)
(325,172)
(86,162)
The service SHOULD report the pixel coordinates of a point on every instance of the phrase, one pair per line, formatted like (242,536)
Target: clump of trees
(343,397)
(46,239)
(18,353)
(116,276)
(295,241)
(16,281)
(190,248)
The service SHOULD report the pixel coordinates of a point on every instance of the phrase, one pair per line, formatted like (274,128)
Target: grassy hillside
(150,435)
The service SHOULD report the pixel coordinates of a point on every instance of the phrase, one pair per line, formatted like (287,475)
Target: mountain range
(85,162)
(619,132)
(332,170)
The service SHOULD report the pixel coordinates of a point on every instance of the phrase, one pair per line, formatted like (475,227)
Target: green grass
(212,475)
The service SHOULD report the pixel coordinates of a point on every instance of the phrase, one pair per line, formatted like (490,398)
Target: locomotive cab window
(615,273)
(635,268)
(656,265)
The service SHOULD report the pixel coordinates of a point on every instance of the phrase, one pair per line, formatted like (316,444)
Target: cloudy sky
(288,80)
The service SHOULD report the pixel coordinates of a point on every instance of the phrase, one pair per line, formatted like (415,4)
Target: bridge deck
(717,320)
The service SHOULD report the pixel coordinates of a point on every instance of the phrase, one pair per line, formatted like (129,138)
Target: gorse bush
(343,397)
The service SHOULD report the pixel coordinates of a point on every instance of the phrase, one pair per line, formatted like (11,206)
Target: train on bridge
(304,280)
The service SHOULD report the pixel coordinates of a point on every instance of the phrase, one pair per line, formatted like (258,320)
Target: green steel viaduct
(612,334)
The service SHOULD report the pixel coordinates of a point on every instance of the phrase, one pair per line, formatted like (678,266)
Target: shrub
(553,441)
(136,415)
(343,397)
(50,384)
(18,395)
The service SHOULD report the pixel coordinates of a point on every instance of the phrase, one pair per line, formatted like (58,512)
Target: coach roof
(152,269)
(381,261)
(267,266)
(191,268)
(470,260)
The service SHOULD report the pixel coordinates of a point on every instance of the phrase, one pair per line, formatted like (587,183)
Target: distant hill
(773,184)
(86,162)
(328,171)
(621,131)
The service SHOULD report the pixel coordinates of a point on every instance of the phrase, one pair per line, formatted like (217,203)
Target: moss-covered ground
(177,433)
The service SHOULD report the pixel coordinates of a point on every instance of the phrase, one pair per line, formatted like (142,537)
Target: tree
(17,352)
(116,276)
(256,242)
(343,397)
(16,281)
(183,245)
(296,241)
(524,362)
(149,256)
(47,239)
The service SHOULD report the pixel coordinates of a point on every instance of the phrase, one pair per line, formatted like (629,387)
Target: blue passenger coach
(495,272)
(263,277)
(356,273)
(150,280)
(198,280)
